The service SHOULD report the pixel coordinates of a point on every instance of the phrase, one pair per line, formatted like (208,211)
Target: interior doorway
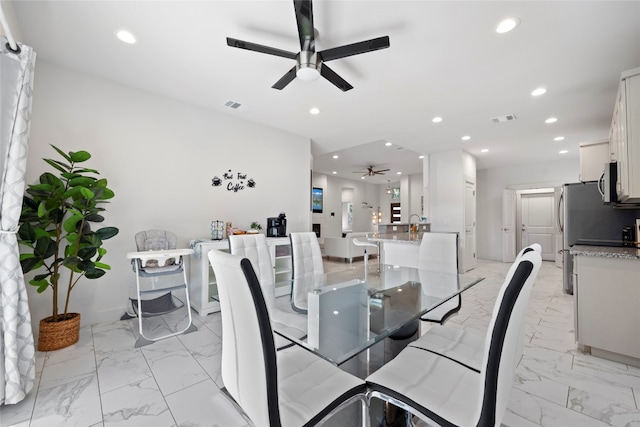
(537,218)
(529,216)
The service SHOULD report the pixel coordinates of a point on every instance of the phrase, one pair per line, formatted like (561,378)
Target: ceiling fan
(372,172)
(309,63)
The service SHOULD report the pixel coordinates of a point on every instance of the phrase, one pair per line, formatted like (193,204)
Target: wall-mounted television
(316,199)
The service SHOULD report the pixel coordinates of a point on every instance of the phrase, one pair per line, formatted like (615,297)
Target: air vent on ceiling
(233,104)
(505,118)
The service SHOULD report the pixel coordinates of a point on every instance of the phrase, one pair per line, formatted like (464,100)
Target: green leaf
(83,181)
(87,252)
(95,273)
(94,217)
(57,165)
(71,262)
(27,232)
(45,248)
(107,194)
(84,170)
(107,232)
(62,153)
(86,265)
(70,225)
(30,264)
(86,193)
(102,265)
(80,156)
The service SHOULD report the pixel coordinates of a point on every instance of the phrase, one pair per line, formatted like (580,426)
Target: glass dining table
(346,316)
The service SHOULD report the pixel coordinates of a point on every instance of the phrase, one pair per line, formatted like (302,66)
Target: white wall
(159,157)
(489,188)
(331,226)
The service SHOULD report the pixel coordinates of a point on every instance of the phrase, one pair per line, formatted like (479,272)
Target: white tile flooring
(104,381)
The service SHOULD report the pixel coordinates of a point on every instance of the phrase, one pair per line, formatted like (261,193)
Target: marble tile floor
(104,381)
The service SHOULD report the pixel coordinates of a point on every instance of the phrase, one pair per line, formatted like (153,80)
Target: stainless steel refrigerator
(586,220)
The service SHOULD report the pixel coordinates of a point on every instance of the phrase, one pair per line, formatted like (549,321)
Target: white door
(508,225)
(538,222)
(469,225)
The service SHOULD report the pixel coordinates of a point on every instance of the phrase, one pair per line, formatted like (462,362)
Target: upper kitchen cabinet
(625,137)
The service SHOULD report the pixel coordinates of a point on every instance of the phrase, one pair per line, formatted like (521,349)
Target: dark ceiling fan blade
(338,81)
(241,44)
(355,48)
(304,18)
(381,171)
(286,79)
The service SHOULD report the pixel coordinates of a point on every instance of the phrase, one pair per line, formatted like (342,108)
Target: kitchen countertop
(606,251)
(411,238)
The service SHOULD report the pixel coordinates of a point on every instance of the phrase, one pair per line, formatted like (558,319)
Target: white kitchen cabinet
(202,281)
(593,156)
(607,297)
(625,134)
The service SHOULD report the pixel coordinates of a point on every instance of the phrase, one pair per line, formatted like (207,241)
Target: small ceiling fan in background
(371,171)
(309,63)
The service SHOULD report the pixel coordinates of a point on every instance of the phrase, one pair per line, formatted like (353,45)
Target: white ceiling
(445,59)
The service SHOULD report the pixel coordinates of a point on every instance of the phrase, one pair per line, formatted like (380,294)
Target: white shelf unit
(202,280)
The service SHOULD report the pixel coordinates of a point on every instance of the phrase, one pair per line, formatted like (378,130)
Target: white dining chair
(291,387)
(437,388)
(307,267)
(438,252)
(254,247)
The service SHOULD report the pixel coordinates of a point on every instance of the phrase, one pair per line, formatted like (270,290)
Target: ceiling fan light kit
(311,64)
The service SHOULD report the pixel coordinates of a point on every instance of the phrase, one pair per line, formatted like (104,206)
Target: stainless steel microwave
(608,182)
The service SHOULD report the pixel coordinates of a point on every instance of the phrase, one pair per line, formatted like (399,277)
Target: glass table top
(347,316)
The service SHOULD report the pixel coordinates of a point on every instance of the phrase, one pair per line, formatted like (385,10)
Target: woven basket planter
(60,334)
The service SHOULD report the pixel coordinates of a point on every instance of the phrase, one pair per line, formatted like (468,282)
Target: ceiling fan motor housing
(308,65)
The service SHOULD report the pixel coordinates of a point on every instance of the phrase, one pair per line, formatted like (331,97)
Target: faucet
(411,229)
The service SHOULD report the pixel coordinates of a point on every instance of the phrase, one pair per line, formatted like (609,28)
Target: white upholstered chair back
(249,370)
(306,260)
(306,254)
(503,343)
(254,247)
(438,253)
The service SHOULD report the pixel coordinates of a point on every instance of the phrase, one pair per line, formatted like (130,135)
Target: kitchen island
(607,301)
(398,247)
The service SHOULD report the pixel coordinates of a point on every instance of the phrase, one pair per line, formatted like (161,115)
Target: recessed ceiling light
(362,177)
(551,120)
(335,156)
(388,144)
(558,138)
(539,91)
(507,25)
(484,150)
(466,138)
(314,111)
(334,172)
(126,36)
(436,119)
(398,173)
(563,151)
(421,157)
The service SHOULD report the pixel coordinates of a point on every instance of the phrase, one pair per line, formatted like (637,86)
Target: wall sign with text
(233,181)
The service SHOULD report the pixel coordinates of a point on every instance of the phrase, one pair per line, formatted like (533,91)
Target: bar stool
(367,244)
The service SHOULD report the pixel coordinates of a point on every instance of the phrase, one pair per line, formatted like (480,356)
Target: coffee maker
(277,226)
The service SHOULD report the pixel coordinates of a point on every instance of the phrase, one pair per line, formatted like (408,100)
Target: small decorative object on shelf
(256,226)
(217,230)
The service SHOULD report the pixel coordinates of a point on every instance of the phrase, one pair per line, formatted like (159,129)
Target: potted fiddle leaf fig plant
(59,238)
